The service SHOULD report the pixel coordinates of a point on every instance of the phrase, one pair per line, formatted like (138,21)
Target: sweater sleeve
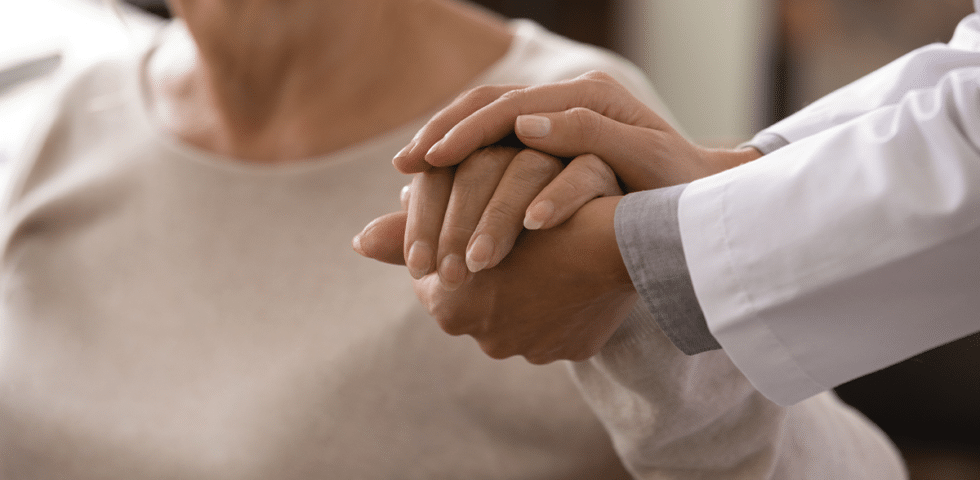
(697,417)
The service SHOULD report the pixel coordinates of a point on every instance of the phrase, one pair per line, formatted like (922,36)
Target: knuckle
(598,82)
(444,313)
(479,95)
(478,166)
(599,172)
(598,76)
(570,180)
(494,349)
(449,323)
(499,213)
(513,99)
(536,359)
(538,164)
(588,123)
(454,238)
(499,155)
(453,329)
(512,95)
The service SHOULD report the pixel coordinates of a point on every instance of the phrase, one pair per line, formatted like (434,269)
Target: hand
(473,213)
(472,238)
(589,114)
(560,294)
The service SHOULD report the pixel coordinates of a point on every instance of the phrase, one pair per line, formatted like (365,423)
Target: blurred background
(726,68)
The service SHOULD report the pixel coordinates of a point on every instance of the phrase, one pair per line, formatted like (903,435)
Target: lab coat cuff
(766,142)
(650,243)
(716,273)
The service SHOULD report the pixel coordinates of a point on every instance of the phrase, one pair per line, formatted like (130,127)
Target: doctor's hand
(591,114)
(560,294)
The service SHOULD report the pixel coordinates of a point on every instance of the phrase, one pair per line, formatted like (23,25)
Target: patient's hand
(466,219)
(537,294)
(560,294)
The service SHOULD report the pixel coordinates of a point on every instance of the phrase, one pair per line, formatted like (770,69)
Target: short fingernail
(532,126)
(419,261)
(361,240)
(435,147)
(404,194)
(356,243)
(405,151)
(480,253)
(539,214)
(452,272)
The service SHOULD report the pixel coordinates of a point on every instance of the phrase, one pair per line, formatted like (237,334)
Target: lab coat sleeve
(697,417)
(850,249)
(921,68)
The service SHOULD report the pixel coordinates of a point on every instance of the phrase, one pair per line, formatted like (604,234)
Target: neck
(299,78)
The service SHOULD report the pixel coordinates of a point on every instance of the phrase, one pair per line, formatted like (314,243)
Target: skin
(560,294)
(590,115)
(323,75)
(561,291)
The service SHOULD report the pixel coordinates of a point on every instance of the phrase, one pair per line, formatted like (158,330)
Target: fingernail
(452,272)
(419,260)
(356,243)
(405,151)
(539,214)
(404,194)
(480,253)
(435,147)
(532,126)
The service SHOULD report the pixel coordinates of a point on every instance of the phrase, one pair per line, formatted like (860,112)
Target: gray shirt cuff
(649,238)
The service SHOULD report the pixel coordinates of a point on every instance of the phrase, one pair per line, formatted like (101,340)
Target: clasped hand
(512,246)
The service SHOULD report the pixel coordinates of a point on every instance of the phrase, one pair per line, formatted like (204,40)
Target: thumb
(383,239)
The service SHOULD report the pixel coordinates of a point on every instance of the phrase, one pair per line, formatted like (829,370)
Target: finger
(644,158)
(383,238)
(595,91)
(429,197)
(585,178)
(411,158)
(474,184)
(502,221)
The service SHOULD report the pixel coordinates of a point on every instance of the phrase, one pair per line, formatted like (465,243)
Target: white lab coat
(858,244)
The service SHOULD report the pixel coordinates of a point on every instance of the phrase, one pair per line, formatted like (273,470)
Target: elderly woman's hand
(464,219)
(560,294)
(538,300)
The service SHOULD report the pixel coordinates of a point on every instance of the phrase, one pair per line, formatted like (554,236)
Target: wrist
(605,255)
(721,159)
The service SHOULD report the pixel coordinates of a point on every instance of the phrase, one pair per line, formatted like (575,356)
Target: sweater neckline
(139,86)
